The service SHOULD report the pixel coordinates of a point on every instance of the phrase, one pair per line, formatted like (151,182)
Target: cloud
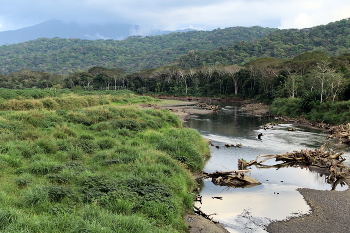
(176,14)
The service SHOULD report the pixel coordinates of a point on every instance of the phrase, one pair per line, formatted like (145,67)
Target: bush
(57,193)
(286,107)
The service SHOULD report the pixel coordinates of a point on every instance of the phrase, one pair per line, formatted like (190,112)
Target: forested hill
(333,39)
(132,54)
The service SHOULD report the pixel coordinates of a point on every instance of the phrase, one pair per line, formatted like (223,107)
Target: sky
(175,14)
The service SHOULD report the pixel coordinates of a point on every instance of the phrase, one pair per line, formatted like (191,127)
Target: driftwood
(342,132)
(238,145)
(208,106)
(198,211)
(330,162)
(232,178)
(269,125)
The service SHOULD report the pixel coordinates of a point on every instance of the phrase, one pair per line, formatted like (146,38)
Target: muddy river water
(250,209)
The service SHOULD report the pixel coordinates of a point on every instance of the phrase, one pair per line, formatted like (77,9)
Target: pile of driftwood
(232,178)
(342,132)
(208,106)
(321,158)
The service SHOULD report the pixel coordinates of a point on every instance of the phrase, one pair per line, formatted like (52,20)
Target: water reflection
(277,197)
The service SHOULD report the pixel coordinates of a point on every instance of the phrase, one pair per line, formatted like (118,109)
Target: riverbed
(251,209)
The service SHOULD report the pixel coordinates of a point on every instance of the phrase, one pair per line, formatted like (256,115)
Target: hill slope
(132,54)
(333,39)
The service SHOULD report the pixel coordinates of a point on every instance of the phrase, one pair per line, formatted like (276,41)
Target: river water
(251,209)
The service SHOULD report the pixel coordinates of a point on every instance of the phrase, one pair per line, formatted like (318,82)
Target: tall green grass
(75,167)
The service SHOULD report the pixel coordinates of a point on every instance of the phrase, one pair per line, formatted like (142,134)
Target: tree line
(308,75)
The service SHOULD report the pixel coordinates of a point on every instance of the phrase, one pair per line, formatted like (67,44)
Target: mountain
(135,53)
(57,28)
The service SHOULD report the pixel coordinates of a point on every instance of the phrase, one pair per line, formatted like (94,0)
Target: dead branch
(201,213)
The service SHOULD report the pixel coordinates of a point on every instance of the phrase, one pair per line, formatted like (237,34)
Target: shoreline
(329,213)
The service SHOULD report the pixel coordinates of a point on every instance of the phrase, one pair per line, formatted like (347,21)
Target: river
(276,198)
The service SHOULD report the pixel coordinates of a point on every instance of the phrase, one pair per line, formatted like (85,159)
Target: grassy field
(95,163)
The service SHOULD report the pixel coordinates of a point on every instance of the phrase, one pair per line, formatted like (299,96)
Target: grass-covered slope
(105,168)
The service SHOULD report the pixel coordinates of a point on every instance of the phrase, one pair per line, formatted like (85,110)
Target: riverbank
(180,108)
(330,213)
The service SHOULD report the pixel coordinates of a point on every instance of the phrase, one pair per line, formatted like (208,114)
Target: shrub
(95,187)
(57,193)
(286,107)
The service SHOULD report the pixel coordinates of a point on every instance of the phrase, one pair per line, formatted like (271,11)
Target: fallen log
(232,179)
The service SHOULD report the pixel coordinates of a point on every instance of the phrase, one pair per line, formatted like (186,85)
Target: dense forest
(64,56)
(333,39)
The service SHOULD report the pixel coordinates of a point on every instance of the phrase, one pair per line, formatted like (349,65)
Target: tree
(232,71)
(329,83)
(292,84)
(117,75)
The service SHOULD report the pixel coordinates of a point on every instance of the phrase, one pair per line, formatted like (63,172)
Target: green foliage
(286,107)
(331,112)
(328,112)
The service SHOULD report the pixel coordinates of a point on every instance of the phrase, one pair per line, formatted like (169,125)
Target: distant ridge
(56,28)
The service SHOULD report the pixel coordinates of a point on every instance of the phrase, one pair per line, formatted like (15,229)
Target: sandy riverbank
(182,109)
(330,214)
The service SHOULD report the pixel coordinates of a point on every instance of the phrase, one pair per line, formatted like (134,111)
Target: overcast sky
(176,14)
